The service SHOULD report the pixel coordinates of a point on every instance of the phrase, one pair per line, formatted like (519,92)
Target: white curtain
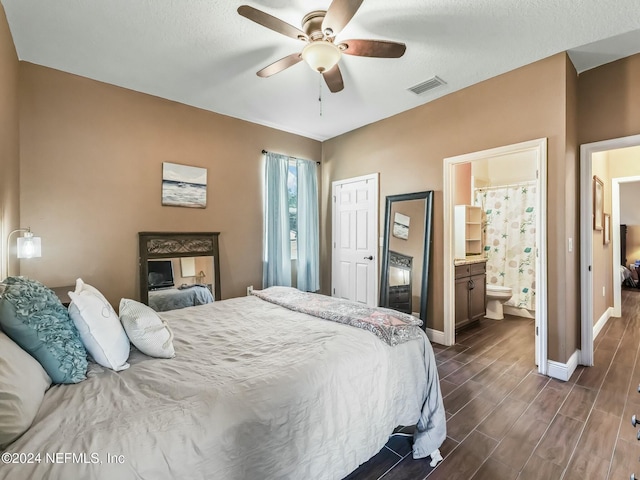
(509,238)
(308,236)
(276,269)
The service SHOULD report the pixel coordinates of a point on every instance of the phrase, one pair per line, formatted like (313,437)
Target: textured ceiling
(202,53)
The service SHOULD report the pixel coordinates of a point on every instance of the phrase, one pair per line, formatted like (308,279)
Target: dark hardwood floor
(507,422)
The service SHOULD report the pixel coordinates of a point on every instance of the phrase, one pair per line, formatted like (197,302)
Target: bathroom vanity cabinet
(470,292)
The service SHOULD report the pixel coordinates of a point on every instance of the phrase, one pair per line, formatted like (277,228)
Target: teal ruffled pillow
(33,317)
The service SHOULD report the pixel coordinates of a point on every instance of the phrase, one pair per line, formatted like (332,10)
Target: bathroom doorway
(456,191)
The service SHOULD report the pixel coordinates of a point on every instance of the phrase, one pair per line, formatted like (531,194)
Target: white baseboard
(435,336)
(563,371)
(602,321)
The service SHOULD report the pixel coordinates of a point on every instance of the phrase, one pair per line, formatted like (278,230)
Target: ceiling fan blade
(280,65)
(333,78)
(338,15)
(374,48)
(271,22)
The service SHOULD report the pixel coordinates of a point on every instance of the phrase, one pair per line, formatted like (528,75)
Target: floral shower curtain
(509,239)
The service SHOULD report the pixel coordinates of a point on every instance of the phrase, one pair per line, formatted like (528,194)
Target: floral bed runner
(389,325)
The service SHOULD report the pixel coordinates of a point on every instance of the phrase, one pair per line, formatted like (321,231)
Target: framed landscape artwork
(598,203)
(184,186)
(401,226)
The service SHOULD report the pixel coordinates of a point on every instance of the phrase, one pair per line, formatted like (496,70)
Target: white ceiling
(202,53)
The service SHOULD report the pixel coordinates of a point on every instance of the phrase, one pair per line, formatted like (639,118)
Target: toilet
(496,296)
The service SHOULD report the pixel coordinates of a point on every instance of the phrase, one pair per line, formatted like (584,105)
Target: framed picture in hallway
(606,237)
(598,203)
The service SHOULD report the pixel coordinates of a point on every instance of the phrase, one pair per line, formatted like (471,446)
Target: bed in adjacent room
(627,277)
(166,299)
(255,390)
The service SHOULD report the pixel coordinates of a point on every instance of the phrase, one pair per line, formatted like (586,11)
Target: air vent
(427,85)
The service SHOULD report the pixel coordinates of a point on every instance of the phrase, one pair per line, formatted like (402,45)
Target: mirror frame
(176,245)
(428,241)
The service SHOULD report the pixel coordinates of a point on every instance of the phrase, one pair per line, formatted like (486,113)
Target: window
(292,191)
(291,187)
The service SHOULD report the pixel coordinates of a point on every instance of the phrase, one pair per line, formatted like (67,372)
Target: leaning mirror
(178,270)
(406,252)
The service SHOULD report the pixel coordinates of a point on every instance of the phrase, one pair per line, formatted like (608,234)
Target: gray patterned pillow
(33,317)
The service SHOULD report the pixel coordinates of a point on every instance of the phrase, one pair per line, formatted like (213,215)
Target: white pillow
(146,330)
(23,382)
(99,327)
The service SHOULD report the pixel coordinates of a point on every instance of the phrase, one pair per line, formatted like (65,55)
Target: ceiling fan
(319,30)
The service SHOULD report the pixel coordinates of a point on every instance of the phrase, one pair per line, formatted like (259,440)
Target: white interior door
(355,231)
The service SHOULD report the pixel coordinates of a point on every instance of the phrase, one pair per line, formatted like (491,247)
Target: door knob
(370,257)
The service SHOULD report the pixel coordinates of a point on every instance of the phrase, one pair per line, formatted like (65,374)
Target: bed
(625,275)
(255,391)
(627,278)
(174,298)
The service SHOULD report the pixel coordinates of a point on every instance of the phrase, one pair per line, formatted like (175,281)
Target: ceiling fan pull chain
(320,91)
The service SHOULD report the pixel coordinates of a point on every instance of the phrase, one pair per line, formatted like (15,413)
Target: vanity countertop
(469,260)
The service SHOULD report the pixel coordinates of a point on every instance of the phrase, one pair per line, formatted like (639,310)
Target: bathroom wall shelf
(468,231)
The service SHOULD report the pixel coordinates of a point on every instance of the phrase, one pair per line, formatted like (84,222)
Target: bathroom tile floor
(507,422)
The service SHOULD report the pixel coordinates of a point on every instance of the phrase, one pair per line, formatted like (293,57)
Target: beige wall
(408,151)
(609,101)
(9,142)
(91,167)
(462,180)
(625,162)
(633,243)
(629,201)
(201,264)
(91,156)
(609,107)
(505,169)
(569,187)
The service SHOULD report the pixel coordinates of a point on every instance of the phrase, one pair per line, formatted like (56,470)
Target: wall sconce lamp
(28,246)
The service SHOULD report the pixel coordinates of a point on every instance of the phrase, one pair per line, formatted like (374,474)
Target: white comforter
(255,392)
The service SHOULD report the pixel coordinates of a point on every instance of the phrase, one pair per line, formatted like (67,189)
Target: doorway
(590,326)
(538,149)
(622,213)
(354,272)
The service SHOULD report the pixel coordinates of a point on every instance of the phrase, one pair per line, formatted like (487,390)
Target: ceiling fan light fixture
(321,55)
